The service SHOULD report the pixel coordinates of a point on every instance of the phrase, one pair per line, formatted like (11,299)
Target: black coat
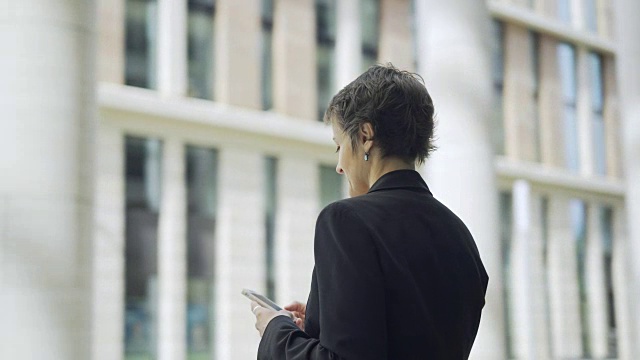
(397,276)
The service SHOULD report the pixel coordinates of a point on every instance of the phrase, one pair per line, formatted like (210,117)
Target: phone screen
(261,299)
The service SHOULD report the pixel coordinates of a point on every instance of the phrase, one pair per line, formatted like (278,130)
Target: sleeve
(351,300)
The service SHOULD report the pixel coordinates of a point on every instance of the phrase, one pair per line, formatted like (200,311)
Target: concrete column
(396,38)
(240,250)
(237,53)
(454,58)
(563,281)
(519,112)
(550,104)
(111,41)
(172,47)
(348,42)
(294,57)
(584,112)
(172,265)
(47,136)
(523,337)
(596,291)
(109,246)
(625,325)
(628,58)
(298,204)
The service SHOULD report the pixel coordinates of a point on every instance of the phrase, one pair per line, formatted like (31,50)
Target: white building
(157,156)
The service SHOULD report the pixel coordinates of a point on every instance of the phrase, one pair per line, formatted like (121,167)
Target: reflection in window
(267,54)
(326,41)
(578,215)
(271,206)
(200,48)
(606,226)
(143,175)
(201,181)
(597,113)
(370,24)
(567,62)
(497,132)
(506,231)
(330,185)
(140,56)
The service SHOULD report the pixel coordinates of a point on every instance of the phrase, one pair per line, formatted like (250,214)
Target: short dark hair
(397,105)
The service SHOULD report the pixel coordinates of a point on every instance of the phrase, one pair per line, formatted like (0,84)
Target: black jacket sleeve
(350,297)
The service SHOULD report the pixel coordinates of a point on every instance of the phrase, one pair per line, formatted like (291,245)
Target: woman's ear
(367,135)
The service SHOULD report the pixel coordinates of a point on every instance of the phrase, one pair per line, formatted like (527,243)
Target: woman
(397,275)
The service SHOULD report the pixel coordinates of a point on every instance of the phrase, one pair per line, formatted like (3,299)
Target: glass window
(506,230)
(544,216)
(591,11)
(200,48)
(534,42)
(326,40)
(271,205)
(141,38)
(370,25)
(267,54)
(143,175)
(578,215)
(201,181)
(597,113)
(497,132)
(606,226)
(564,10)
(567,62)
(330,185)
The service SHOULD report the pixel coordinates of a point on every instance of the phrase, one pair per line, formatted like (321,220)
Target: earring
(366,156)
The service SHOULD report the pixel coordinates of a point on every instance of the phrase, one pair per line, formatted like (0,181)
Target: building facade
(161,155)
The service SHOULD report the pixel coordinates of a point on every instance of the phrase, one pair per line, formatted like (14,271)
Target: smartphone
(261,299)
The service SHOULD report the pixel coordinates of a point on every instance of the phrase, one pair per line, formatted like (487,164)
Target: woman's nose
(339,170)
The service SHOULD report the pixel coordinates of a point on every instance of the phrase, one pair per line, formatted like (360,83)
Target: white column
(585,123)
(563,281)
(172,234)
(172,47)
(109,246)
(628,58)
(622,291)
(298,202)
(47,136)
(240,251)
(348,42)
(521,295)
(595,276)
(454,57)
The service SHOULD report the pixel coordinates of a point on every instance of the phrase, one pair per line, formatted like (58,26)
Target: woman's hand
(264,316)
(299,311)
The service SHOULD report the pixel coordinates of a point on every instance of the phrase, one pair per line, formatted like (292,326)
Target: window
(606,226)
(534,42)
(564,10)
(544,217)
(597,113)
(326,41)
(200,48)
(591,11)
(567,62)
(578,216)
(506,229)
(370,24)
(143,175)
(271,205)
(497,132)
(330,185)
(140,56)
(201,181)
(267,54)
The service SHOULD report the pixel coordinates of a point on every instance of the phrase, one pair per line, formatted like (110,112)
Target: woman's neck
(386,166)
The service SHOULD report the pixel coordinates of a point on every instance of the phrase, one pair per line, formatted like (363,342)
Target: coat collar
(400,179)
